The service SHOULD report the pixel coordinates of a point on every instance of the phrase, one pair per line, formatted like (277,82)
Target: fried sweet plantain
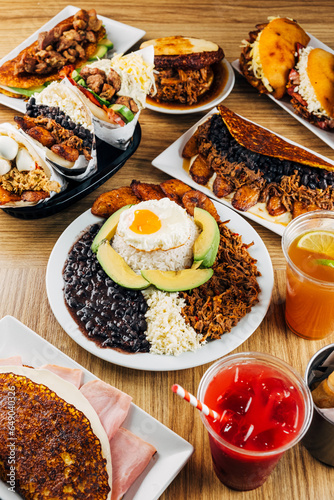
(193,198)
(191,148)
(200,171)
(275,206)
(145,191)
(300,207)
(246,197)
(7,196)
(221,186)
(174,189)
(108,203)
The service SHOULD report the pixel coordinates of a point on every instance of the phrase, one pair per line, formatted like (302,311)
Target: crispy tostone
(57,455)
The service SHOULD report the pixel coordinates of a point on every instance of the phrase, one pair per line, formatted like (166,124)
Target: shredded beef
(217,306)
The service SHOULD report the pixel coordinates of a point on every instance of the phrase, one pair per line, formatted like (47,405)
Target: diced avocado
(99,53)
(207,243)
(28,92)
(177,281)
(124,111)
(117,269)
(75,74)
(108,43)
(108,229)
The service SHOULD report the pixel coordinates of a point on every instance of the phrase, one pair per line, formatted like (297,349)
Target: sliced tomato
(113,116)
(66,70)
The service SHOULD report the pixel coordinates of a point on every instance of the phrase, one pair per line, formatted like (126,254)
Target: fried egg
(155,225)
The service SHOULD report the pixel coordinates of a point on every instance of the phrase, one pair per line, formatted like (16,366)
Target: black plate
(109,161)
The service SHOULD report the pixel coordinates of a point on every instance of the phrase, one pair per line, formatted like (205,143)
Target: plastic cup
(309,306)
(236,467)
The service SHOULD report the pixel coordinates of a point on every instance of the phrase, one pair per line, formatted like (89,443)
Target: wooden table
(25,246)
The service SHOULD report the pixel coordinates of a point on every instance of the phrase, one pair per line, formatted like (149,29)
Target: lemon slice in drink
(318,242)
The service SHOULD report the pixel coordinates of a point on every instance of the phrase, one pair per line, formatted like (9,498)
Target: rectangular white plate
(122,36)
(327,137)
(172,451)
(170,161)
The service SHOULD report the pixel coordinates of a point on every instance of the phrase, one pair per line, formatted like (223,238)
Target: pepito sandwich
(311,86)
(60,123)
(184,67)
(25,178)
(268,54)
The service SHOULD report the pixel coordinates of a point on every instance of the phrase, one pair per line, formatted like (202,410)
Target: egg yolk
(145,222)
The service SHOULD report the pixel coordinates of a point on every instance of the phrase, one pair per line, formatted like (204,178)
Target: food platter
(171,162)
(216,99)
(122,36)
(152,362)
(173,451)
(109,161)
(327,137)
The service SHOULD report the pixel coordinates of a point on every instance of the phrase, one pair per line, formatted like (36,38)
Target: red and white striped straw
(195,402)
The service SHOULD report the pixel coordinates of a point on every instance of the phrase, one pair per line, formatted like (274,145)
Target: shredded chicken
(36,180)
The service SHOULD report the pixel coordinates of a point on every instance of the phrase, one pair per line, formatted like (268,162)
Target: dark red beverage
(264,409)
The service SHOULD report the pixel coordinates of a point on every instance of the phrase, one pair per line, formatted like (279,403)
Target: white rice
(174,259)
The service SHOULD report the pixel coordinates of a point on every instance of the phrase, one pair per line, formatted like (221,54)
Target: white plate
(172,451)
(145,361)
(195,108)
(327,137)
(122,36)
(170,161)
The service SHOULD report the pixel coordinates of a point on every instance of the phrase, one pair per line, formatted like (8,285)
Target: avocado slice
(108,43)
(108,229)
(117,269)
(177,281)
(207,243)
(28,92)
(100,52)
(124,111)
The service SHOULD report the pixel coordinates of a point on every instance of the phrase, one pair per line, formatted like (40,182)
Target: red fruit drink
(265,409)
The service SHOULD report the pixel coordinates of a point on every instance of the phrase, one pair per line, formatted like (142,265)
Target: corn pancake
(61,449)
(260,140)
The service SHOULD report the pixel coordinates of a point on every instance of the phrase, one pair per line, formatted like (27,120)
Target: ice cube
(265,440)
(238,400)
(286,414)
(273,389)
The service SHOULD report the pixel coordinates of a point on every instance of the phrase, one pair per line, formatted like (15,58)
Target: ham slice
(130,455)
(73,375)
(111,404)
(13,360)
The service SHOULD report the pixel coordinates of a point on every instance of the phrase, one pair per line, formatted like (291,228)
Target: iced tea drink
(265,409)
(308,245)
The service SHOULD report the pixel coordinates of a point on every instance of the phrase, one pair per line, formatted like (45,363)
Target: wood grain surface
(25,245)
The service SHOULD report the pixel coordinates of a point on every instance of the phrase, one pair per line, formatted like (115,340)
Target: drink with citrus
(308,244)
(264,407)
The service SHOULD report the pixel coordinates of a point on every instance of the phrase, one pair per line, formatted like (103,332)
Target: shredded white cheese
(305,88)
(167,330)
(255,63)
(136,75)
